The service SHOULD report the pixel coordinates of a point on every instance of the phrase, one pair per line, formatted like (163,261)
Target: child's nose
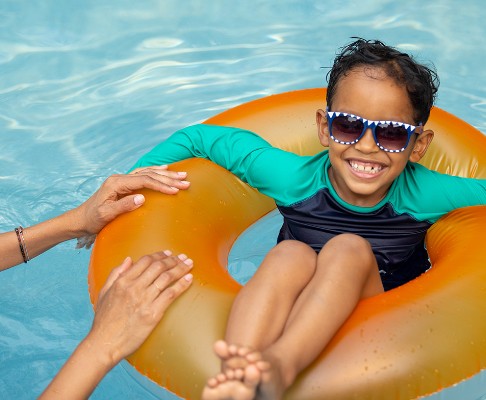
(367,143)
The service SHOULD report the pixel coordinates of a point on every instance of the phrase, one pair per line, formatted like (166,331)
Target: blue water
(88,87)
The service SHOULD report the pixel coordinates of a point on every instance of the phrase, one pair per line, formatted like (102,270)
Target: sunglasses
(389,136)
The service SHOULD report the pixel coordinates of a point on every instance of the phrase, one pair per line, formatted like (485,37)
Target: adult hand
(134,300)
(116,196)
(131,303)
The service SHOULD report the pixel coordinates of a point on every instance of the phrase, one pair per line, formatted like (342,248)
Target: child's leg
(346,272)
(261,309)
(258,316)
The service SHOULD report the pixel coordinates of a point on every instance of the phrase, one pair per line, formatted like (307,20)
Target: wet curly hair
(421,82)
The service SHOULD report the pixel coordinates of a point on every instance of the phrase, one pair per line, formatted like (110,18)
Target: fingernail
(185,182)
(182,257)
(188,262)
(188,277)
(138,199)
(182,173)
(167,252)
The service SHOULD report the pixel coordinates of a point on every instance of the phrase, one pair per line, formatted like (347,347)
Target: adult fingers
(171,178)
(168,182)
(144,263)
(163,279)
(156,168)
(162,171)
(121,185)
(111,210)
(161,274)
(114,275)
(130,311)
(169,294)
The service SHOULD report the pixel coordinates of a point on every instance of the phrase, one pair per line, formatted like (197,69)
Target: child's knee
(294,248)
(351,245)
(349,241)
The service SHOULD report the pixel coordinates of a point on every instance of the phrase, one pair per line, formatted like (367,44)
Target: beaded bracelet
(23,248)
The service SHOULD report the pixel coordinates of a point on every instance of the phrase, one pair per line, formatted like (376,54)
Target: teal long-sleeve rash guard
(313,212)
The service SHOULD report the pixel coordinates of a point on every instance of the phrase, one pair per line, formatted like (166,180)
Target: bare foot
(242,373)
(222,387)
(234,357)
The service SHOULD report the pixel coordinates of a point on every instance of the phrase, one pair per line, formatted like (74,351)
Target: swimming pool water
(88,87)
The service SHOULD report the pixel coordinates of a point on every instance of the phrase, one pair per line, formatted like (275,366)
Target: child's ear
(322,127)
(421,145)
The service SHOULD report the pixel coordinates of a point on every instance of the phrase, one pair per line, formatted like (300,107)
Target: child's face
(369,93)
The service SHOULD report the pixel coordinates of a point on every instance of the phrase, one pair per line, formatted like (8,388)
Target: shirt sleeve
(428,195)
(274,172)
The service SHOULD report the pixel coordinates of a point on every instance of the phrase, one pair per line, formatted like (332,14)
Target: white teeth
(366,168)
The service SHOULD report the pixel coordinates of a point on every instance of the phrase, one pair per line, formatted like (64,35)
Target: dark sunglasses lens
(346,128)
(391,137)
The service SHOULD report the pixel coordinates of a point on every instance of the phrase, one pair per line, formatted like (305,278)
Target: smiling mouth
(366,168)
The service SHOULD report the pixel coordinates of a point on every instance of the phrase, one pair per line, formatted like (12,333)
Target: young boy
(355,215)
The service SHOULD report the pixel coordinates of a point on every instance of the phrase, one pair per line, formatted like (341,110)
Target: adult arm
(115,196)
(130,305)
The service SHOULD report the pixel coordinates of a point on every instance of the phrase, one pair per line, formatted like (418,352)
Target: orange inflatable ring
(412,341)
